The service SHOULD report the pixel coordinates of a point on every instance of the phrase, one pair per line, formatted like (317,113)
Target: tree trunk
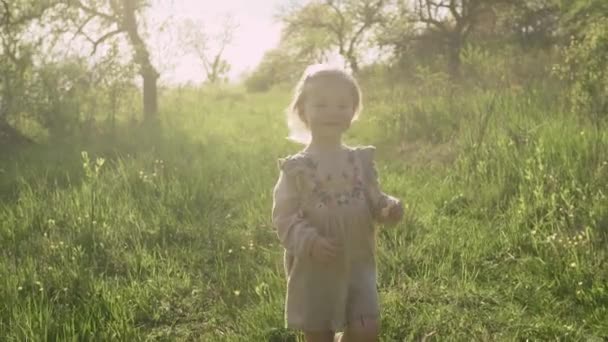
(353,63)
(142,57)
(454,48)
(150,95)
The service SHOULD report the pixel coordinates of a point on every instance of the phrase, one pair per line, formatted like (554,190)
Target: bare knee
(363,330)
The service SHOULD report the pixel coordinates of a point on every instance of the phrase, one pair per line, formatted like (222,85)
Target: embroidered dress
(335,196)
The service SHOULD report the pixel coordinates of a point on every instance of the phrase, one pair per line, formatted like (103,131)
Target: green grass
(170,238)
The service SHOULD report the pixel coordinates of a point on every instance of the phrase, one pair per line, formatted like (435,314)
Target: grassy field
(166,235)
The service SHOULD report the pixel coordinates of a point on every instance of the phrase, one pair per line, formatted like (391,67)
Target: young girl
(325,202)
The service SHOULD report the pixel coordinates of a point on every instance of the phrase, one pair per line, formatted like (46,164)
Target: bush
(586,68)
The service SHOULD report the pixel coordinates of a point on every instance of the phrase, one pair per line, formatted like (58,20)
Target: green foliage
(168,237)
(586,68)
(278,66)
(165,234)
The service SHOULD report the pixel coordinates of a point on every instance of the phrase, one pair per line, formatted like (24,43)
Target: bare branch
(429,18)
(339,30)
(454,10)
(7,14)
(93,11)
(80,28)
(104,38)
(370,18)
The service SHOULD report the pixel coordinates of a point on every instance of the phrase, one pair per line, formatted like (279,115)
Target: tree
(279,65)
(578,14)
(17,54)
(454,20)
(534,23)
(585,66)
(396,32)
(210,50)
(346,23)
(118,17)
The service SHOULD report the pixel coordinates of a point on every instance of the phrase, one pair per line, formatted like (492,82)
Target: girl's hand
(324,250)
(393,212)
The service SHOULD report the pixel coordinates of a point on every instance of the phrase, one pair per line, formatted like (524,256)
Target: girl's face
(329,106)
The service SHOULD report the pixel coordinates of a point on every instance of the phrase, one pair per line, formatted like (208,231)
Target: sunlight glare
(256,33)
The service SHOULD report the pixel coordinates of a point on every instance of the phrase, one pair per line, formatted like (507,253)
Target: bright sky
(257,32)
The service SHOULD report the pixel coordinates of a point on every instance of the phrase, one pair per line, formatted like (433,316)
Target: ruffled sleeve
(376,198)
(295,233)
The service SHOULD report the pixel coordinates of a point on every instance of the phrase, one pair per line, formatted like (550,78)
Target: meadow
(165,235)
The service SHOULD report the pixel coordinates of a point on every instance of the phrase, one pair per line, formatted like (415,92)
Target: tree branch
(7,14)
(339,31)
(370,18)
(454,10)
(80,29)
(104,38)
(93,11)
(428,18)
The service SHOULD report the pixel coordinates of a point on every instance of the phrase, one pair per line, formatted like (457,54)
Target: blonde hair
(296,123)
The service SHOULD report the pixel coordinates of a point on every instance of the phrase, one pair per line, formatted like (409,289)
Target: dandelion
(50,223)
(573,265)
(533,232)
(580,283)
(237,293)
(230,251)
(243,248)
(20,288)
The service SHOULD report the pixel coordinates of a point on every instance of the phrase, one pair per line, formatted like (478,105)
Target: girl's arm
(385,208)
(295,233)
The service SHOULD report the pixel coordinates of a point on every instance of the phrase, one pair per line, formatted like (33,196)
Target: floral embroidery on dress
(338,191)
(327,190)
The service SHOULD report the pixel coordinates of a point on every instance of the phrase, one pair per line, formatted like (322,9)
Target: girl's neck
(325,144)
